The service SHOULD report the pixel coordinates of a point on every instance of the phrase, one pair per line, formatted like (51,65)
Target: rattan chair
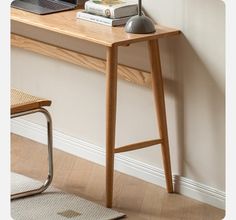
(25,104)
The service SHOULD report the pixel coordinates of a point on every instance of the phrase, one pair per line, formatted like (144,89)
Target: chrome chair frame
(50,153)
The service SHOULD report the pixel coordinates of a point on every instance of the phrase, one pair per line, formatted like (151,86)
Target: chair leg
(50,155)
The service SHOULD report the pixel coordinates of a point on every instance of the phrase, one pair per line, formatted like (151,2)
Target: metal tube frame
(50,154)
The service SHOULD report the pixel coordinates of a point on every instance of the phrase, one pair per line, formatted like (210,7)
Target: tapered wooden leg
(157,86)
(111,90)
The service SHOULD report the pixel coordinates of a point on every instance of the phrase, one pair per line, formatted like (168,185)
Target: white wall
(194,72)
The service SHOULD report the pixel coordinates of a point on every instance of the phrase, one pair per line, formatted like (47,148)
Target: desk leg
(157,86)
(111,90)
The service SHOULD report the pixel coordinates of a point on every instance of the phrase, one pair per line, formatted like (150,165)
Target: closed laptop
(46,6)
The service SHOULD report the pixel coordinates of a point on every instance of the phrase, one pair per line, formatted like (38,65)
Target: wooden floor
(138,199)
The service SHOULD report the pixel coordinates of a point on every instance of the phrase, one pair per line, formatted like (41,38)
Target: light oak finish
(157,86)
(65,23)
(137,146)
(111,93)
(22,102)
(138,199)
(130,74)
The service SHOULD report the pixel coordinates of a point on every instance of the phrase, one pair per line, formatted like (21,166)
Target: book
(111,8)
(102,20)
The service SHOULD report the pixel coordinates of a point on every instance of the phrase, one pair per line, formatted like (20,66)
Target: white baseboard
(123,163)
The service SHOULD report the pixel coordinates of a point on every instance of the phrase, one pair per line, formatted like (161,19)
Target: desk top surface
(66,23)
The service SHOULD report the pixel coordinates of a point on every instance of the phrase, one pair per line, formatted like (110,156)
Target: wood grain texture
(66,23)
(136,198)
(137,146)
(130,74)
(111,96)
(159,98)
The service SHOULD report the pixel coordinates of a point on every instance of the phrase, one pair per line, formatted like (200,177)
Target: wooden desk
(65,23)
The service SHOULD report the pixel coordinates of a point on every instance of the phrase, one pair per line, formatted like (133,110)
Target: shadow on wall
(196,83)
(200,118)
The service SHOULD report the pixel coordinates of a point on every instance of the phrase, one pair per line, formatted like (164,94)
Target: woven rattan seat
(21,102)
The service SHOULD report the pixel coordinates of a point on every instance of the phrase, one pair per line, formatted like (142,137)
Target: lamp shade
(140,24)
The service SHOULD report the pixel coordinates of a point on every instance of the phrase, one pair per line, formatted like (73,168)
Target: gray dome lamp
(140,24)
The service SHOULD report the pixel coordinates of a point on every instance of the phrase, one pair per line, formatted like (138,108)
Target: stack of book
(108,12)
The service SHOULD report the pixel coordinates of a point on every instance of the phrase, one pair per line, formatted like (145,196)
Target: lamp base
(140,25)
